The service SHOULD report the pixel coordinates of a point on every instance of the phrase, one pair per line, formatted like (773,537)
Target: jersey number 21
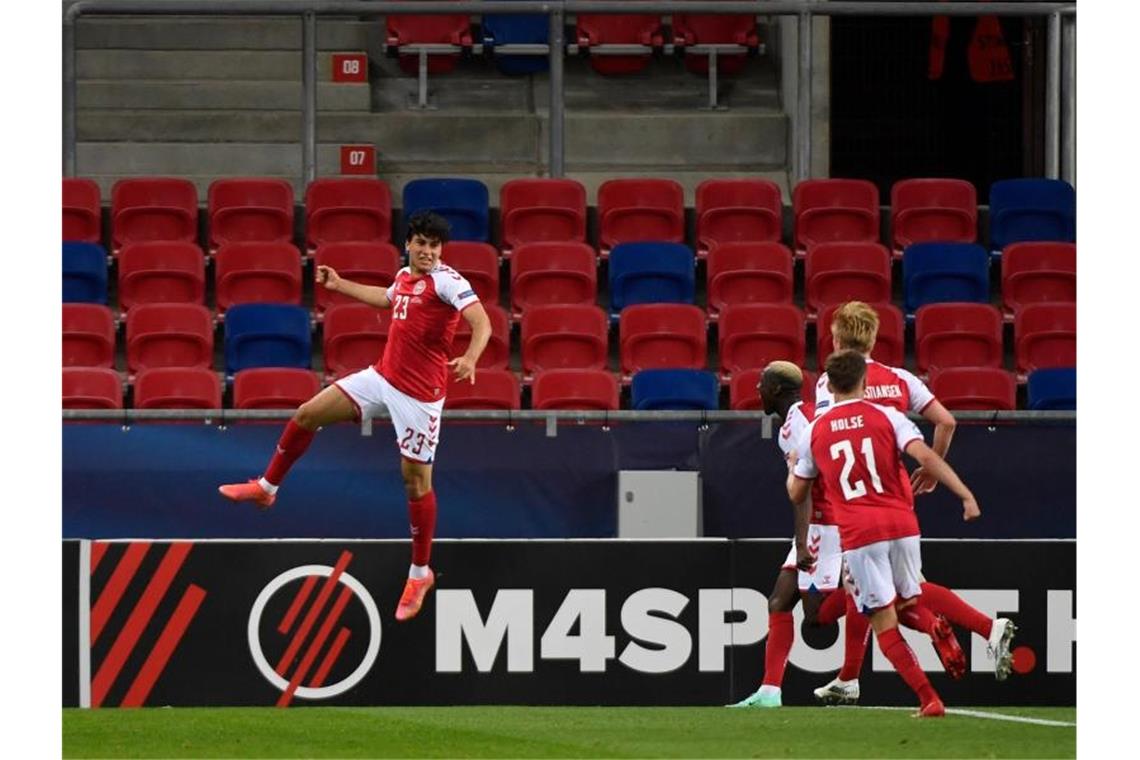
(858,488)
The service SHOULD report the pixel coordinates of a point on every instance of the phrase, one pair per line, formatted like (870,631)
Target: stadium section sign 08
(512,622)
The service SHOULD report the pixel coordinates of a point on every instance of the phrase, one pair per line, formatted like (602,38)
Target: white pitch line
(977,714)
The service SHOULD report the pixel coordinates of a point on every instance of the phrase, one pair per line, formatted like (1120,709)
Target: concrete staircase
(205,98)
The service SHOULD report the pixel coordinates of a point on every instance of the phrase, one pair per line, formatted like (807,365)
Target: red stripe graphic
(139,618)
(315,647)
(298,603)
(98,549)
(331,657)
(113,591)
(313,613)
(164,648)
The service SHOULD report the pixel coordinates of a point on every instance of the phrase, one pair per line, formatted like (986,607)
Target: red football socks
(919,618)
(421,513)
(945,602)
(856,633)
(292,444)
(781,634)
(902,657)
(832,608)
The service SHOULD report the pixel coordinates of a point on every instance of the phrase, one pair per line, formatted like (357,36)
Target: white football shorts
(416,422)
(883,572)
(826,574)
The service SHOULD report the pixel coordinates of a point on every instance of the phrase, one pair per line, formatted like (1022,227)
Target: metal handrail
(804,10)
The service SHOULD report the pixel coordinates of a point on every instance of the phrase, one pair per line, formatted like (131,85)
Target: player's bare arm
(464,366)
(937,467)
(944,425)
(369,294)
(798,491)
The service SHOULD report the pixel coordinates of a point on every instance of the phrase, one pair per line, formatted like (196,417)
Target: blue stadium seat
(651,273)
(517,29)
(84,273)
(463,202)
(942,272)
(675,389)
(1054,388)
(267,335)
(1032,209)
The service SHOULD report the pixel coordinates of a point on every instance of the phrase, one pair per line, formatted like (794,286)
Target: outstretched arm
(799,491)
(476,316)
(369,294)
(944,426)
(937,468)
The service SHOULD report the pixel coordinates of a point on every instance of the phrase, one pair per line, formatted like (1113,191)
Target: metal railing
(1060,111)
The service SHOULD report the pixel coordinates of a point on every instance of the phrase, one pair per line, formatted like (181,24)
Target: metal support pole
(69,98)
(421,100)
(557,159)
(309,95)
(712,79)
(1053,98)
(803,97)
(1069,100)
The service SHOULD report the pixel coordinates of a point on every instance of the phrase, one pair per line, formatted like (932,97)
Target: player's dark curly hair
(430,225)
(845,370)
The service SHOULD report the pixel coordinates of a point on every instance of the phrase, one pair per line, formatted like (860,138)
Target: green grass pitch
(560,732)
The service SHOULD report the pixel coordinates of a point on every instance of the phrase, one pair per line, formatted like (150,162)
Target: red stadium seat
(161,272)
(479,263)
(245,209)
(835,209)
(710,29)
(492,389)
(153,208)
(619,29)
(749,273)
(957,335)
(497,354)
(257,273)
(341,210)
(541,210)
(890,346)
(274,387)
(169,335)
(835,273)
(178,388)
(354,337)
(553,273)
(631,210)
(82,217)
(933,210)
(577,389)
(88,335)
(1037,272)
(975,388)
(751,335)
(1045,335)
(373,264)
(662,336)
(564,336)
(92,388)
(403,30)
(737,210)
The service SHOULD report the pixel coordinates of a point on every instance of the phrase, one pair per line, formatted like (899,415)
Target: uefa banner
(591,622)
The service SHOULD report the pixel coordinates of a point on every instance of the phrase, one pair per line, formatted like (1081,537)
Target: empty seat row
(564,337)
(968,388)
(547,273)
(534,210)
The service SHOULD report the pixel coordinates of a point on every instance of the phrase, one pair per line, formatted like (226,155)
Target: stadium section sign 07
(603,622)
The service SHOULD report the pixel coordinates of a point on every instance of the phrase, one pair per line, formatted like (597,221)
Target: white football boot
(838,692)
(1001,634)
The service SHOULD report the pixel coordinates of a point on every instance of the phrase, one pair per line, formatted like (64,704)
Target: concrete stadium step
(217,94)
(197,64)
(220,33)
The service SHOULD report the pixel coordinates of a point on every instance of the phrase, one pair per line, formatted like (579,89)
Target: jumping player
(814,578)
(853,447)
(855,327)
(410,379)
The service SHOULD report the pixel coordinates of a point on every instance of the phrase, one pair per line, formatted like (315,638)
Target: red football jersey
(799,417)
(854,449)
(425,313)
(890,386)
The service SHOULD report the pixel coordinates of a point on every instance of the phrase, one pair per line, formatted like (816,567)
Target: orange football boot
(250,491)
(413,597)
